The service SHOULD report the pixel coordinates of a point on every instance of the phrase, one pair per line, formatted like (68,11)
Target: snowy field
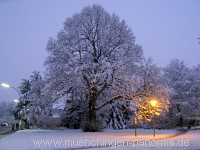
(109,139)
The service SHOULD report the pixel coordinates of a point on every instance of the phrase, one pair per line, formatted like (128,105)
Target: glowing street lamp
(5,85)
(153,102)
(150,109)
(16,101)
(8,86)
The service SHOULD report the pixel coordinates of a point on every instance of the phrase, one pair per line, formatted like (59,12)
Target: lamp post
(154,103)
(135,122)
(149,109)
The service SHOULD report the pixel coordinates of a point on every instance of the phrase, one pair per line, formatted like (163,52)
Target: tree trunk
(92,110)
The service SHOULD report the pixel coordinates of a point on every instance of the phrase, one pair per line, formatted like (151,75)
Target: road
(4,131)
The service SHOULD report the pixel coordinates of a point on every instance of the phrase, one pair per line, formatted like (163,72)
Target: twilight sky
(166,29)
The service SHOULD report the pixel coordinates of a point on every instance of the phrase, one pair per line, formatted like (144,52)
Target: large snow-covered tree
(93,52)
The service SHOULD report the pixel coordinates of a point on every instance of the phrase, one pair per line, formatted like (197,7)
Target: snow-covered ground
(109,139)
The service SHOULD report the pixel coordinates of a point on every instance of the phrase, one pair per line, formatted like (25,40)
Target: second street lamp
(5,85)
(8,86)
(16,101)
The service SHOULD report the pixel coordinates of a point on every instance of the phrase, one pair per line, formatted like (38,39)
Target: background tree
(34,100)
(183,82)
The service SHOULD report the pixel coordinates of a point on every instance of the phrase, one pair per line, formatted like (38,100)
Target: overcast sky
(166,29)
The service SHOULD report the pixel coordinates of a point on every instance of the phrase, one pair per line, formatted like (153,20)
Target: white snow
(109,139)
